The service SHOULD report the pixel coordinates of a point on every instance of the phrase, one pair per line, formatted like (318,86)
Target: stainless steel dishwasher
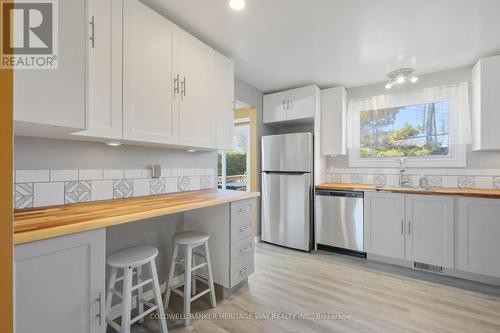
(339,221)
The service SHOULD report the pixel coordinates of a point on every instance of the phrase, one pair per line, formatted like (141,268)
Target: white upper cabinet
(478,236)
(197,92)
(333,121)
(104,100)
(274,108)
(384,224)
(46,99)
(429,236)
(150,113)
(301,103)
(224,101)
(486,109)
(296,104)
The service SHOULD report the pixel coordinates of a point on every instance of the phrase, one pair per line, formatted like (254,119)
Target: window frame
(457,152)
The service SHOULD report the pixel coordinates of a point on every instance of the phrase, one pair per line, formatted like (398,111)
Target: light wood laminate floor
(376,298)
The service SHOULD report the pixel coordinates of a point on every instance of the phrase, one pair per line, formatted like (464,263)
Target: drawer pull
(242,230)
(243,210)
(244,250)
(243,270)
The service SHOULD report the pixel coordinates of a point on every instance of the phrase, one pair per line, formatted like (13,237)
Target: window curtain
(457,96)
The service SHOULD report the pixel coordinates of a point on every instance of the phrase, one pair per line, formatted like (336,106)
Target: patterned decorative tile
(434,181)
(496,182)
(23,195)
(122,188)
(336,178)
(184,184)
(380,180)
(466,182)
(204,182)
(357,179)
(77,191)
(157,185)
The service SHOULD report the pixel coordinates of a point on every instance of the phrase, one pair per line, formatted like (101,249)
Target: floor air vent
(428,268)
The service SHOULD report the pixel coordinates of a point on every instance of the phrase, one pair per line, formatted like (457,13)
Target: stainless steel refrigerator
(287,180)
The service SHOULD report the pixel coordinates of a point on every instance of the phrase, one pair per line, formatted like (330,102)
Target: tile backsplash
(454,178)
(38,188)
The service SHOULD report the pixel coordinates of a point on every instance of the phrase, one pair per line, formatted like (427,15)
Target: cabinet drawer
(241,229)
(242,249)
(241,270)
(242,210)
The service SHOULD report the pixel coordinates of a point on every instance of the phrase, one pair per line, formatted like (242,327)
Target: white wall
(483,168)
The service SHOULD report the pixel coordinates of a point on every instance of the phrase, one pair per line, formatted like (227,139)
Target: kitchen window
(429,127)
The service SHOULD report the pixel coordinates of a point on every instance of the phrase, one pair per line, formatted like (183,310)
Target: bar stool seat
(131,261)
(189,241)
(132,256)
(191,237)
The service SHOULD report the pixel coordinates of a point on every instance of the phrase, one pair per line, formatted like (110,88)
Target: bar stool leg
(157,292)
(127,299)
(171,276)
(213,301)
(193,276)
(109,296)
(187,284)
(140,294)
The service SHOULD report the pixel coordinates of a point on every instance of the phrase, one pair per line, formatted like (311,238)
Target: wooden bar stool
(131,260)
(190,240)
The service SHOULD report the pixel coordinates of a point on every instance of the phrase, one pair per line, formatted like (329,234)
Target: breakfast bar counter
(42,223)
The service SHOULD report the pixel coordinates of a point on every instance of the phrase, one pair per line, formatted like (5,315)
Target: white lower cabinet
(59,284)
(384,224)
(479,236)
(429,236)
(417,228)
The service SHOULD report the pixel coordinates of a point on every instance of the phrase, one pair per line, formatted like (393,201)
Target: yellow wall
(251,113)
(6,223)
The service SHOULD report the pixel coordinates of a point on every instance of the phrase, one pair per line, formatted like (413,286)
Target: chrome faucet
(403,178)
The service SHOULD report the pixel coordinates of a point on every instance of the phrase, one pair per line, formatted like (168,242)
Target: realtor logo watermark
(29,34)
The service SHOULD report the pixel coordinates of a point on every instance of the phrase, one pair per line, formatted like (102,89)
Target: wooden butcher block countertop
(483,193)
(42,223)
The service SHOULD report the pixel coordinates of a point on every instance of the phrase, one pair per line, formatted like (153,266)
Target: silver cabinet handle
(243,229)
(284,104)
(242,210)
(176,85)
(183,87)
(101,314)
(92,31)
(402,227)
(243,270)
(288,104)
(409,227)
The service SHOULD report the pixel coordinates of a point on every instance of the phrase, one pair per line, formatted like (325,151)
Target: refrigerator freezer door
(287,152)
(286,209)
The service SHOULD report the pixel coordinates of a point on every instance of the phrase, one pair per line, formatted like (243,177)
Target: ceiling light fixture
(237,4)
(400,76)
(113,143)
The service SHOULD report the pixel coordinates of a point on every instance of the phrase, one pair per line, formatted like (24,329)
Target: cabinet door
(197,108)
(104,105)
(301,103)
(384,224)
(430,229)
(56,97)
(478,236)
(149,105)
(333,118)
(274,108)
(224,101)
(59,284)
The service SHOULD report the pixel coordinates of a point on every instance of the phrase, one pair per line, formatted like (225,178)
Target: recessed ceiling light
(237,4)
(191,150)
(113,143)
